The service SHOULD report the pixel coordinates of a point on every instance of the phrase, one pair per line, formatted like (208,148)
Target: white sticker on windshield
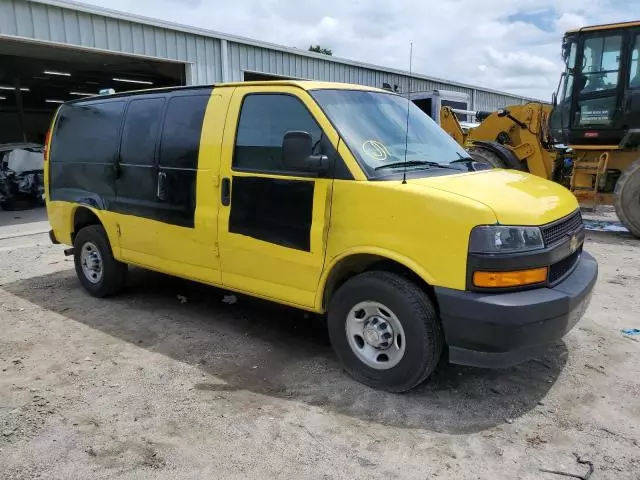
(376,150)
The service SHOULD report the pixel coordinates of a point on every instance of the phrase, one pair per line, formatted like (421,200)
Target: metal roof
(606,26)
(115,14)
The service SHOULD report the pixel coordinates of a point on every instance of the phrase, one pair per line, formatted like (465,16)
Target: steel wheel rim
(375,335)
(91,262)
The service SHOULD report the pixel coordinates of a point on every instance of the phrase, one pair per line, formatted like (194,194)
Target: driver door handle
(162,189)
(225,192)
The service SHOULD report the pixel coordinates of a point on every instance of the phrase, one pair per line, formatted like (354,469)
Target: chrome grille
(553,233)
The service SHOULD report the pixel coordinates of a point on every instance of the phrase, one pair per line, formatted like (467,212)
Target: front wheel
(385,331)
(99,273)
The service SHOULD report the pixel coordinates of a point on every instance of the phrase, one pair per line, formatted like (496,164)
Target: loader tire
(482,155)
(627,194)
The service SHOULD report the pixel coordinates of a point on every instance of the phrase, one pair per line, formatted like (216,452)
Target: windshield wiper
(414,163)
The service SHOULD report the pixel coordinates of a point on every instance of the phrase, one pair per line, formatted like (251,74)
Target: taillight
(47,143)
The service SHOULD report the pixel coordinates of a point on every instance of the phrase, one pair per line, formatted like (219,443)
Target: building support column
(20,108)
(224,54)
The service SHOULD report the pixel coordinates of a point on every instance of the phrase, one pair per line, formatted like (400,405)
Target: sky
(500,44)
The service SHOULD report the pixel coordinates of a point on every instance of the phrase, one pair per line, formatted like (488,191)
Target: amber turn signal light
(509,279)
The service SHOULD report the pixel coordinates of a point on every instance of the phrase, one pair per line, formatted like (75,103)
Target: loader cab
(598,98)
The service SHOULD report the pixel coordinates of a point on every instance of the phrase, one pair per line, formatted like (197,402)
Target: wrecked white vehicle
(21,175)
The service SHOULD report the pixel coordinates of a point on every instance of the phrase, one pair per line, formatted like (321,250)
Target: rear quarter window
(87,133)
(181,133)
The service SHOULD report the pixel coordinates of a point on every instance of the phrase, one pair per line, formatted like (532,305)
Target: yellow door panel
(186,251)
(275,270)
(273,233)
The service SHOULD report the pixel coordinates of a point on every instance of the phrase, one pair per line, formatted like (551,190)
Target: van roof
(303,84)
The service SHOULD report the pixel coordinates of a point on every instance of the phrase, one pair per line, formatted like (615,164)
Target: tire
(421,334)
(482,155)
(627,195)
(112,274)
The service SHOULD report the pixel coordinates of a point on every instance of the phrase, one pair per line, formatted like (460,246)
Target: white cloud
(567,21)
(464,40)
(518,64)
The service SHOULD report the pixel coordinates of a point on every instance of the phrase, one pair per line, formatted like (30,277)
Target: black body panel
(84,152)
(178,157)
(274,210)
(137,176)
(110,152)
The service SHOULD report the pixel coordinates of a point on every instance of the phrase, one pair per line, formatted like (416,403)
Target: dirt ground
(149,386)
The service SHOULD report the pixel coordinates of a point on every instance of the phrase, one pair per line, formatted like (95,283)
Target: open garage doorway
(36,78)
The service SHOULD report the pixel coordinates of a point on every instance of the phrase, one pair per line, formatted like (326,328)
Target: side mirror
(554,99)
(297,149)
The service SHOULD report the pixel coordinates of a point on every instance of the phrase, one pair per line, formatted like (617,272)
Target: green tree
(319,49)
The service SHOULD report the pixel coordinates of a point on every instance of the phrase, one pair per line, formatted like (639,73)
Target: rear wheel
(627,193)
(482,155)
(99,273)
(385,331)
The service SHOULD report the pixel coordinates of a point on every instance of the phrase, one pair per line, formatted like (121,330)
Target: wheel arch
(354,262)
(83,216)
(504,153)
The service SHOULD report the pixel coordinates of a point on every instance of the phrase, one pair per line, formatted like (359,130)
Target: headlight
(505,239)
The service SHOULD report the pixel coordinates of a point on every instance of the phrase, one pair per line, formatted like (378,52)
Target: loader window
(568,88)
(572,49)
(600,72)
(634,68)
(601,63)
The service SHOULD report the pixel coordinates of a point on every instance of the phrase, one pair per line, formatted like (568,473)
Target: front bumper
(504,329)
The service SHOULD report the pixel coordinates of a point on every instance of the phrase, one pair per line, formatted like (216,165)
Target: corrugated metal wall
(54,21)
(256,59)
(492,101)
(251,58)
(36,21)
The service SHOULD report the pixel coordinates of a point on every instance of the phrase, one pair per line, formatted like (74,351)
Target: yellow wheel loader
(588,139)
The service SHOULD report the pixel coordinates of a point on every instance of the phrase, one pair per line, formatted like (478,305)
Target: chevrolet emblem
(573,246)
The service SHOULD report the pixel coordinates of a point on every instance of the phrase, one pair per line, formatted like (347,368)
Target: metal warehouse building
(52,51)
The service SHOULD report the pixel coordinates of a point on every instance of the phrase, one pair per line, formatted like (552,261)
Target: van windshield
(374,125)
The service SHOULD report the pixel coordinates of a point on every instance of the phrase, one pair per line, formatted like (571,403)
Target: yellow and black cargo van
(316,195)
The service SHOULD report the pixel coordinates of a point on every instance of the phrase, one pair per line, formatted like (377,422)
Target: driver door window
(264,120)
